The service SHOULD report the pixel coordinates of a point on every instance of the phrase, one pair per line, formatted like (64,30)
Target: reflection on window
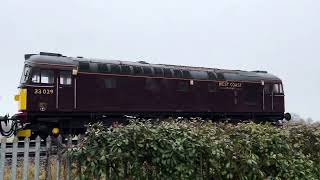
(47,77)
(281,89)
(26,74)
(65,78)
(275,89)
(42,76)
(267,88)
(36,76)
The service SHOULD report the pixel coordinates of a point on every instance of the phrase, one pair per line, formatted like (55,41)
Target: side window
(103,68)
(281,89)
(110,83)
(47,77)
(267,88)
(186,74)
(115,68)
(147,71)
(177,73)
(36,75)
(65,78)
(275,89)
(158,71)
(84,66)
(212,87)
(167,72)
(125,69)
(212,75)
(137,70)
(42,76)
(183,86)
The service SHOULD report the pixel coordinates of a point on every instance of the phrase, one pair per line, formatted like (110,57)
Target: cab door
(267,101)
(65,91)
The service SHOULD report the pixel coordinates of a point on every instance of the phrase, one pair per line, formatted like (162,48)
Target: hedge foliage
(201,150)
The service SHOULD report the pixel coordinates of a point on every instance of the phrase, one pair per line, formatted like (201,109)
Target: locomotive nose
(287,116)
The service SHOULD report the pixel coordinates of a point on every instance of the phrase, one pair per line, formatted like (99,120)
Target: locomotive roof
(47,59)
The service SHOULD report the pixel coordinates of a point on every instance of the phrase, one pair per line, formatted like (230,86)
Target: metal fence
(36,159)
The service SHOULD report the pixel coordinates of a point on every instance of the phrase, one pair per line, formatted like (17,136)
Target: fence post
(26,159)
(3,157)
(69,145)
(14,159)
(37,159)
(79,163)
(58,161)
(48,153)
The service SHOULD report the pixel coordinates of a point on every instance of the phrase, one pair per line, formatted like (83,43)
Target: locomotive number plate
(43,91)
(228,84)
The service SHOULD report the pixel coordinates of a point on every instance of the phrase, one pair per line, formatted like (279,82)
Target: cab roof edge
(27,56)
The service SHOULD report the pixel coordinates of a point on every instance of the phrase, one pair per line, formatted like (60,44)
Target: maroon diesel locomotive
(62,94)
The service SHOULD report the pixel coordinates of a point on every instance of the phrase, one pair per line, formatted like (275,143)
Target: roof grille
(50,54)
(258,71)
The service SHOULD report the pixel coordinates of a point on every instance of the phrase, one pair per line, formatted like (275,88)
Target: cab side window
(47,77)
(36,76)
(277,89)
(43,76)
(65,78)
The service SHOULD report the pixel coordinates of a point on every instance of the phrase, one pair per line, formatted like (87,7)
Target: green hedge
(201,150)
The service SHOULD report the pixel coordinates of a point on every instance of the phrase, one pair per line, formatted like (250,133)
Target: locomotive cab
(44,89)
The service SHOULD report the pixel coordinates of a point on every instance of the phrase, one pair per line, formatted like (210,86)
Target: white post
(26,159)
(37,159)
(14,159)
(69,145)
(3,157)
(48,168)
(58,161)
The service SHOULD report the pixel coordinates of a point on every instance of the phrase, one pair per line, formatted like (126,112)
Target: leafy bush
(197,150)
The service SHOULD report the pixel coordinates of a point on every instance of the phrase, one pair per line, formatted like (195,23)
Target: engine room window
(177,73)
(125,69)
(115,68)
(137,70)
(186,74)
(167,72)
(47,77)
(158,71)
(84,66)
(212,76)
(65,78)
(147,71)
(110,83)
(199,74)
(103,68)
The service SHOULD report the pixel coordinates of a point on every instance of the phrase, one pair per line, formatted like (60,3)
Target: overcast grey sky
(280,36)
